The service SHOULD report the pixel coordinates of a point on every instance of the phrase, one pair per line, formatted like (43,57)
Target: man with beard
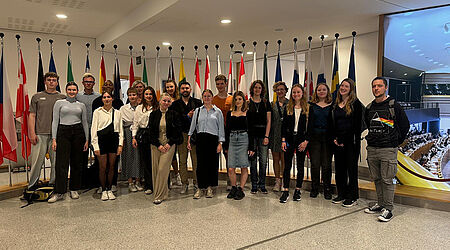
(185,107)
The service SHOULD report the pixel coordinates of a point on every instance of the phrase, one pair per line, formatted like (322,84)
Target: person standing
(293,140)
(210,134)
(238,144)
(346,135)
(69,140)
(172,89)
(141,135)
(131,166)
(87,97)
(40,128)
(319,139)
(185,107)
(277,116)
(107,140)
(388,126)
(165,134)
(259,114)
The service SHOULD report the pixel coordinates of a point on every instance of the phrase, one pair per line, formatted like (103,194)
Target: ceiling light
(408,34)
(325,36)
(430,60)
(407,25)
(405,74)
(411,40)
(413,46)
(225,21)
(441,64)
(436,62)
(166,43)
(391,71)
(421,54)
(61,16)
(417,50)
(249,53)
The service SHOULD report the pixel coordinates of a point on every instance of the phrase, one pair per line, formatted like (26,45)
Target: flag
(295,78)
(207,73)
(278,77)
(254,73)
(69,67)
(52,68)
(309,88)
(219,69)
(144,73)
(157,77)
(131,73)
(335,75)
(242,84)
(171,75)
(102,77)
(351,69)
(321,75)
(87,68)
(266,75)
(23,108)
(182,77)
(197,86)
(8,135)
(230,89)
(117,84)
(40,75)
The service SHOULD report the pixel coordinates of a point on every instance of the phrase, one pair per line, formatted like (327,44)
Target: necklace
(257,106)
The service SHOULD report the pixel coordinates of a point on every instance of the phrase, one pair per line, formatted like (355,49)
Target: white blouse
(101,119)
(140,119)
(298,111)
(127,112)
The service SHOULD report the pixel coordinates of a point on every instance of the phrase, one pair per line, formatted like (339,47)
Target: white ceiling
(197,22)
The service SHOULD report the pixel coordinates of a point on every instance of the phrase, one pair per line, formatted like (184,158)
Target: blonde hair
(303,103)
(233,103)
(351,96)
(315,98)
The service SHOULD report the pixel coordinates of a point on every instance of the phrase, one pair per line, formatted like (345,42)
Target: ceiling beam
(138,16)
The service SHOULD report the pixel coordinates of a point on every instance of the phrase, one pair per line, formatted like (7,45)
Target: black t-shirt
(257,117)
(183,109)
(343,123)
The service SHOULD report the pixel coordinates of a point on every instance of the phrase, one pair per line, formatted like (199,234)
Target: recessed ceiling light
(436,62)
(225,21)
(430,60)
(405,74)
(249,52)
(413,46)
(417,50)
(407,25)
(166,43)
(411,40)
(61,16)
(408,34)
(325,36)
(441,64)
(391,71)
(421,54)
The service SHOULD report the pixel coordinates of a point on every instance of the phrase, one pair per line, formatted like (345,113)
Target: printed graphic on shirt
(378,122)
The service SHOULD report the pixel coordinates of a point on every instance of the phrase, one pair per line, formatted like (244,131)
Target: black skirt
(108,143)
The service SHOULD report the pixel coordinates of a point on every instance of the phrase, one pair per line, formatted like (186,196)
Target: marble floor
(256,222)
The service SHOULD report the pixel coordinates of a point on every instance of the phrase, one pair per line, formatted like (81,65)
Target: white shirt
(298,111)
(101,119)
(127,112)
(140,119)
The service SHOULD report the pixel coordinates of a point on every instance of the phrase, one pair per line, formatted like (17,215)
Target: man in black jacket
(185,107)
(388,126)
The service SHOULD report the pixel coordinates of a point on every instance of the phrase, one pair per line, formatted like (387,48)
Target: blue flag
(52,68)
(88,66)
(117,84)
(278,77)
(40,83)
(351,69)
(335,75)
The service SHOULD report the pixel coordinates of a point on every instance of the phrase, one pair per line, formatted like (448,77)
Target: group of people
(149,131)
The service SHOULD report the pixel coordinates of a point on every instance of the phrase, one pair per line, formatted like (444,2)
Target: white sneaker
(209,193)
(114,188)
(55,197)
(111,195)
(105,195)
(178,180)
(74,195)
(198,193)
(184,189)
(148,192)
(99,190)
(132,187)
(138,186)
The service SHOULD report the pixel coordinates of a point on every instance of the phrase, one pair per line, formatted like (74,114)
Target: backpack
(41,193)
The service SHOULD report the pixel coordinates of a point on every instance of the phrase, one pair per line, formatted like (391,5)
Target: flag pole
(231,87)
(207,64)
(87,55)
(217,58)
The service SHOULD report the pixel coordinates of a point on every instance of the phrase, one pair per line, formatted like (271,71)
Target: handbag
(194,134)
(142,136)
(108,129)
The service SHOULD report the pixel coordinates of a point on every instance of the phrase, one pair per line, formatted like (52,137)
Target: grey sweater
(69,112)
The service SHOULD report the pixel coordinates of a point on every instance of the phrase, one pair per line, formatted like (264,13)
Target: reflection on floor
(258,221)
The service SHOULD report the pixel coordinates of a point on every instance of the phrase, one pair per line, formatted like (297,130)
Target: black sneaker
(232,193)
(327,195)
(338,200)
(239,194)
(284,196)
(349,203)
(264,190)
(373,209)
(297,195)
(313,193)
(386,215)
(254,191)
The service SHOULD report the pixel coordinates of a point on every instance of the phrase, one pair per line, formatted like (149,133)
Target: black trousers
(207,160)
(346,169)
(288,156)
(145,155)
(319,149)
(69,150)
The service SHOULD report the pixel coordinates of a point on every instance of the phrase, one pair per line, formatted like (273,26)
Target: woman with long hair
(141,133)
(107,140)
(69,134)
(208,124)
(165,134)
(139,86)
(278,108)
(293,140)
(171,88)
(238,144)
(346,135)
(319,139)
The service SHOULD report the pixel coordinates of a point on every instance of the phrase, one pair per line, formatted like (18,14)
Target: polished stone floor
(256,222)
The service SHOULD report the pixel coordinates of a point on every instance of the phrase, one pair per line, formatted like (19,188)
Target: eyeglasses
(89,82)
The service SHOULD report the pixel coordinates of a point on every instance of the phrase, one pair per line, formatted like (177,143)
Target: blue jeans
(259,179)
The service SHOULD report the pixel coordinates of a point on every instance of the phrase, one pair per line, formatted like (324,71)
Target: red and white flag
(309,88)
(230,76)
(242,82)
(207,73)
(197,86)
(131,74)
(8,135)
(23,108)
